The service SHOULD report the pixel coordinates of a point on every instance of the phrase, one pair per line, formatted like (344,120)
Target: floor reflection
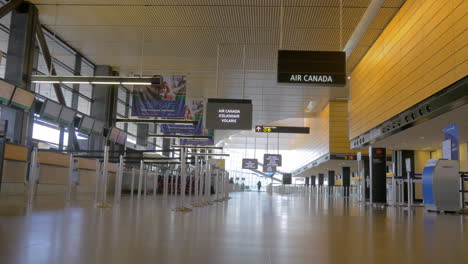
(250,228)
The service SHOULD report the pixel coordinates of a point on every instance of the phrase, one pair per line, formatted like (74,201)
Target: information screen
(114,134)
(269,168)
(67,116)
(51,110)
(6,91)
(86,124)
(312,67)
(287,178)
(272,160)
(22,99)
(98,127)
(229,114)
(122,137)
(250,164)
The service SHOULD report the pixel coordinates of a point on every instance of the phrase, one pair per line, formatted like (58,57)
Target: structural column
(19,67)
(104,106)
(378,175)
(331,181)
(346,181)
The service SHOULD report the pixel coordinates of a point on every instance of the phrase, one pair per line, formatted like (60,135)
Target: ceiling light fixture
(196,147)
(179,136)
(111,80)
(156,121)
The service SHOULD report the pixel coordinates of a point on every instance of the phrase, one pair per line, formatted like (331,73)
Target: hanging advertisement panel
(193,110)
(165,97)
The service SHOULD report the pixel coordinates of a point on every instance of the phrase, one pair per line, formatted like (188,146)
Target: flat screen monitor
(98,127)
(122,137)
(6,91)
(86,124)
(114,134)
(51,110)
(22,99)
(67,116)
(229,114)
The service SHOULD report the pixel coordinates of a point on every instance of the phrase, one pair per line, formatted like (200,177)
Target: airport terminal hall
(233,131)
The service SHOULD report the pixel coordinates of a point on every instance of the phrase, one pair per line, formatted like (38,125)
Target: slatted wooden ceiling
(183,35)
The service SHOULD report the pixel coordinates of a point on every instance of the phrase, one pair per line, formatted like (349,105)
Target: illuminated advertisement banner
(165,98)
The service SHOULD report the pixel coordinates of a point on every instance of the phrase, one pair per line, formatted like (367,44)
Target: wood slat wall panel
(52,158)
(422,51)
(88,164)
(16,152)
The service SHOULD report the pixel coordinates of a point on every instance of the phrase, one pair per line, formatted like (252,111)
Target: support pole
(98,176)
(133,183)
(118,181)
(32,174)
(71,164)
(140,180)
(105,174)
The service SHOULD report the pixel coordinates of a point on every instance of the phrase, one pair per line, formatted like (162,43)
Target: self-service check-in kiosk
(441,184)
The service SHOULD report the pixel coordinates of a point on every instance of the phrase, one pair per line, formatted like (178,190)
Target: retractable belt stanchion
(166,183)
(215,184)
(140,180)
(118,181)
(96,187)
(155,184)
(32,175)
(183,178)
(71,164)
(132,185)
(145,180)
(104,175)
(207,183)
(195,180)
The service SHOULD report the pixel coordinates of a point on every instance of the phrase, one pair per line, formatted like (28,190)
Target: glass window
(67,94)
(87,68)
(132,128)
(59,51)
(131,139)
(45,89)
(122,94)
(2,66)
(121,108)
(84,105)
(4,37)
(46,133)
(86,90)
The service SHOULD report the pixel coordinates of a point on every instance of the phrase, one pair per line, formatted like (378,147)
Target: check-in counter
(53,174)
(15,168)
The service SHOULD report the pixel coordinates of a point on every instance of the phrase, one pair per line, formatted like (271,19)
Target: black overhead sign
(272,160)
(229,114)
(250,164)
(312,67)
(269,168)
(287,178)
(282,129)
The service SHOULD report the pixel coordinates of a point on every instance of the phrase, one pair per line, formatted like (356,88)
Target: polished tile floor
(249,228)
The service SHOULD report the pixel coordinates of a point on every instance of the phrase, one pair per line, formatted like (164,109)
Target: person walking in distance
(259,185)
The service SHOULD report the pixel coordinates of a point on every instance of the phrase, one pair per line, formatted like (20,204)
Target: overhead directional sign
(312,67)
(269,168)
(273,160)
(250,164)
(282,129)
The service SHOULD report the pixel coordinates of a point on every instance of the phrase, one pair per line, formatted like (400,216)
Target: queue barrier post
(98,176)
(33,171)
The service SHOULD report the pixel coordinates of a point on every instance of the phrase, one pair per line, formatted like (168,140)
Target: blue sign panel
(451,133)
